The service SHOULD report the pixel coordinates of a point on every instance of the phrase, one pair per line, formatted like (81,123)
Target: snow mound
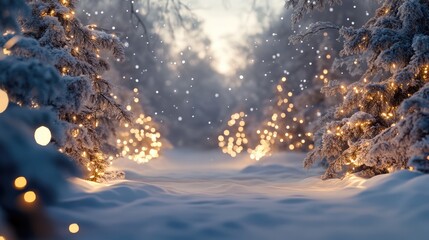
(206,195)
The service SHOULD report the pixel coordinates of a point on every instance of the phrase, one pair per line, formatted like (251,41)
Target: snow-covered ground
(207,195)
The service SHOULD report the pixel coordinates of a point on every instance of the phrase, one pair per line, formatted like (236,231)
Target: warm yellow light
(74,228)
(153,152)
(2,238)
(20,182)
(6,51)
(43,136)
(4,101)
(30,197)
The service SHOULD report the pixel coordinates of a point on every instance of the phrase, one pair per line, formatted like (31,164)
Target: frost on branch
(302,7)
(381,125)
(313,29)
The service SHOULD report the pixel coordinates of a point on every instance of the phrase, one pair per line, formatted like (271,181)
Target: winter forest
(210,119)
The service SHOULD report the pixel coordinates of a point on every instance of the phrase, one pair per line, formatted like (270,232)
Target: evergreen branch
(313,29)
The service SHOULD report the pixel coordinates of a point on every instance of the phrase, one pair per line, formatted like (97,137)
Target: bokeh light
(74,228)
(140,141)
(233,140)
(20,182)
(43,136)
(4,101)
(30,197)
(283,129)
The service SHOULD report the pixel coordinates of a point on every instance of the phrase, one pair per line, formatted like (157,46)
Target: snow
(188,194)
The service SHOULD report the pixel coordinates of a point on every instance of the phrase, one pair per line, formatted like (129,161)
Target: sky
(228,21)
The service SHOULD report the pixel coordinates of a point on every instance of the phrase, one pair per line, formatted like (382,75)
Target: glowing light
(2,238)
(4,101)
(140,141)
(6,52)
(233,141)
(43,136)
(20,182)
(30,197)
(261,150)
(9,44)
(74,228)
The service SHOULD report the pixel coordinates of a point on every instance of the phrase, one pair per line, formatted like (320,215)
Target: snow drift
(206,195)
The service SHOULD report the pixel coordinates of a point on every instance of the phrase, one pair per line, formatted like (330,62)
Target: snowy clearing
(206,195)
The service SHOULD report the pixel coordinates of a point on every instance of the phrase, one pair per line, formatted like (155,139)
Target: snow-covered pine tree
(52,34)
(382,124)
(31,175)
(307,67)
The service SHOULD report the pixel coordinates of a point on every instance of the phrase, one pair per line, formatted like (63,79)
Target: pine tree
(381,125)
(32,176)
(54,35)
(307,66)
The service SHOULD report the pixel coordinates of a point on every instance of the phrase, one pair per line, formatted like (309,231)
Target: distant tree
(283,129)
(381,125)
(169,62)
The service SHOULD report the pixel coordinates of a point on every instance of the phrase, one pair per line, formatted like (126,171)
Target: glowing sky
(225,21)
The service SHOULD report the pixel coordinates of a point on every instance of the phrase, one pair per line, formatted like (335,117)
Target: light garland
(233,140)
(140,141)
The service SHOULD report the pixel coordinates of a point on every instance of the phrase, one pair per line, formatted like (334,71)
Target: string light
(140,141)
(278,132)
(233,140)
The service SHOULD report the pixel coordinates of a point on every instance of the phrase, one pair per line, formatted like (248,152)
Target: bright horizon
(228,22)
